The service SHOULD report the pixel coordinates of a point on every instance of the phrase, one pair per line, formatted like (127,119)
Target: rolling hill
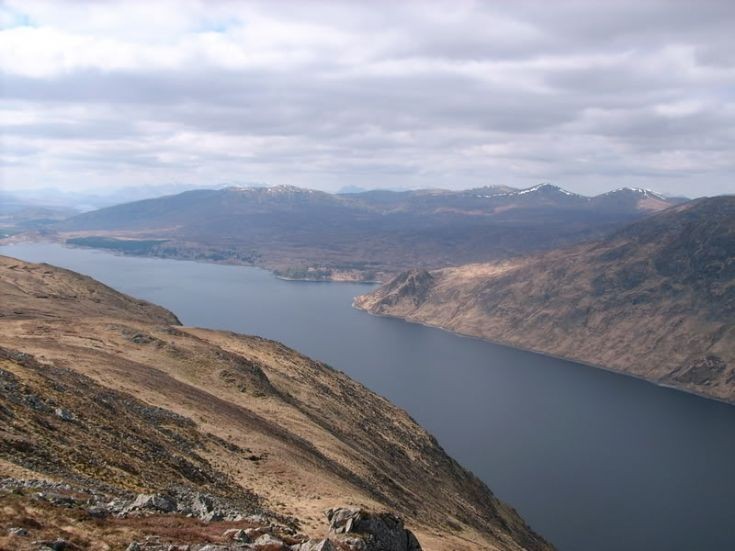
(310,234)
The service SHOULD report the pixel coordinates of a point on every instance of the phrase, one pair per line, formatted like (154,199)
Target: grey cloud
(110,129)
(499,93)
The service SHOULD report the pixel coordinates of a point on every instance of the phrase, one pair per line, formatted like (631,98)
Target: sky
(589,95)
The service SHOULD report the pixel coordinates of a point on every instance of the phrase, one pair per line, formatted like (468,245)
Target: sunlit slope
(146,404)
(655,299)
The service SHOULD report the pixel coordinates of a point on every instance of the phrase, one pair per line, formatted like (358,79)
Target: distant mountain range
(81,200)
(311,234)
(495,199)
(18,215)
(655,299)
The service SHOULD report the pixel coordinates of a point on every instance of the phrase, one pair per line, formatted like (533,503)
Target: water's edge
(547,355)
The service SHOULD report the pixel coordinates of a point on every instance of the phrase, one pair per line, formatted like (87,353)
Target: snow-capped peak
(282,189)
(543,187)
(641,191)
(534,189)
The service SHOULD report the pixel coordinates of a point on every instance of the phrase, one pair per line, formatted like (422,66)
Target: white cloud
(448,94)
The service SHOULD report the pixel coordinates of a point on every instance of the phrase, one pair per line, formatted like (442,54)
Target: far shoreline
(21,239)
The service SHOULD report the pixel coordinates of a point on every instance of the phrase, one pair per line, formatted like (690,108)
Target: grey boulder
(377,531)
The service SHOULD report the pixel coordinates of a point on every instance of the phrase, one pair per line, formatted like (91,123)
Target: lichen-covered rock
(315,545)
(378,531)
(152,502)
(268,542)
(238,535)
(54,545)
(341,519)
(64,414)
(98,512)
(202,506)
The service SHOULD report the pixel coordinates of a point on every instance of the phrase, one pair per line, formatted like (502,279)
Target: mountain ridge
(310,234)
(655,299)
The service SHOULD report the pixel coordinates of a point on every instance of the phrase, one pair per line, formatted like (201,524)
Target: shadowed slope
(309,234)
(656,299)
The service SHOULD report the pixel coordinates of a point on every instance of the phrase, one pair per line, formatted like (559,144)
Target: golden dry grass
(260,417)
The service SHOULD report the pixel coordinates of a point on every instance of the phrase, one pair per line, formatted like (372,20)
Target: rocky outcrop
(350,529)
(413,286)
(365,531)
(205,507)
(316,545)
(152,502)
(702,372)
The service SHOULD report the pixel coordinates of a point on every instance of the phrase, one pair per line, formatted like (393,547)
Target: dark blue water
(593,460)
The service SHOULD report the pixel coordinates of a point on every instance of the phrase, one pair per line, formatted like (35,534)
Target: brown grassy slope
(656,300)
(239,414)
(32,291)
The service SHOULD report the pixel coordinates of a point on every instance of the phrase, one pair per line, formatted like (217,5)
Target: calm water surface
(593,460)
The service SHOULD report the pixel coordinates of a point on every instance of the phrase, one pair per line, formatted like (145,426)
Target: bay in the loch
(593,460)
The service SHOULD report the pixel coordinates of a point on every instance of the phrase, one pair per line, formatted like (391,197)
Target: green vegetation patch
(129,246)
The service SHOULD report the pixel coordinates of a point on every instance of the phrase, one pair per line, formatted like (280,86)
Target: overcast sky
(589,95)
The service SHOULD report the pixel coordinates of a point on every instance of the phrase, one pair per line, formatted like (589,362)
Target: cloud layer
(589,95)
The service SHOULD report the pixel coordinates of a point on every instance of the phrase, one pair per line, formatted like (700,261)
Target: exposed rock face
(702,372)
(185,502)
(268,542)
(147,423)
(238,535)
(152,502)
(374,531)
(354,529)
(64,414)
(315,545)
(413,286)
(656,299)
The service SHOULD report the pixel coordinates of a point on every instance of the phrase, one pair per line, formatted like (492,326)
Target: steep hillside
(310,234)
(105,397)
(655,299)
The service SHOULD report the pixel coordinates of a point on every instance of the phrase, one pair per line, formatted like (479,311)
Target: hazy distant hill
(20,215)
(655,299)
(308,233)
